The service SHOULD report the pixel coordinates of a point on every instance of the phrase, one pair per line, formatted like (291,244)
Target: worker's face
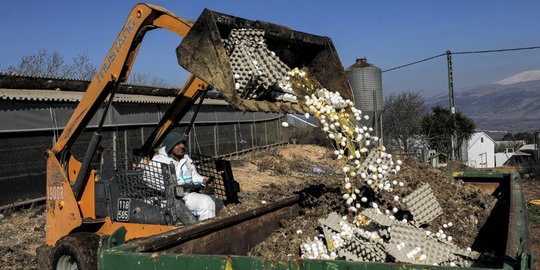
(179,150)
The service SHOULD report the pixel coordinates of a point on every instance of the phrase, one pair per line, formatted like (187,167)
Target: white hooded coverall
(201,205)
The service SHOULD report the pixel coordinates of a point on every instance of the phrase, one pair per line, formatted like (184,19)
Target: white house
(479,151)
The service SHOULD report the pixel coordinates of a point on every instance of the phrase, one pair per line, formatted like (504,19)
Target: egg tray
(435,250)
(461,252)
(371,159)
(407,234)
(384,233)
(358,249)
(330,244)
(460,262)
(259,69)
(467,253)
(377,217)
(362,248)
(423,204)
(332,221)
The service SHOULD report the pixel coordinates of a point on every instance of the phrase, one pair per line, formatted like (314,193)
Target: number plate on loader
(123,209)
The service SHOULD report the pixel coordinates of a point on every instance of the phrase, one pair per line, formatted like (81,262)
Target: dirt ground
(296,162)
(21,232)
(267,176)
(271,175)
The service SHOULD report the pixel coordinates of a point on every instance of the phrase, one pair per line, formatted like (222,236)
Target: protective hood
(171,140)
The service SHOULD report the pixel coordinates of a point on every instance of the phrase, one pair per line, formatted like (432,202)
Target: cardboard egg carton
(378,217)
(332,221)
(435,250)
(259,69)
(423,204)
(361,250)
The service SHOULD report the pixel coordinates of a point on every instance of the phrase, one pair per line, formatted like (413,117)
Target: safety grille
(206,166)
(144,180)
(149,180)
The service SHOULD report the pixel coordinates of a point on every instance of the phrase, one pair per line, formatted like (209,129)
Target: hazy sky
(388,33)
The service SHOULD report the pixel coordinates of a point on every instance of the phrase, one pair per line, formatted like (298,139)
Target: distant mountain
(511,104)
(531,75)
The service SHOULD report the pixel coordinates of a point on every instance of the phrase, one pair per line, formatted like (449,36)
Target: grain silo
(366,83)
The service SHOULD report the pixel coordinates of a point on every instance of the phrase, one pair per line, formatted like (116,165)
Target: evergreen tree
(440,125)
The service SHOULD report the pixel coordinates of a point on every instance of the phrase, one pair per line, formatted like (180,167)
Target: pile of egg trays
(401,241)
(354,247)
(410,238)
(257,70)
(437,251)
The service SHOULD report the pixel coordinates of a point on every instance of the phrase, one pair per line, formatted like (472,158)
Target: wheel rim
(66,262)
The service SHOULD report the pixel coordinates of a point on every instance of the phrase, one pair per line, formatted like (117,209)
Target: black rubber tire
(81,248)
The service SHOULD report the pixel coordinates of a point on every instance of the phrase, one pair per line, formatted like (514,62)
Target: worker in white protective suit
(173,150)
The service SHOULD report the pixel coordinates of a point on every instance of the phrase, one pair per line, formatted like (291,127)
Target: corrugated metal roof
(527,147)
(71,96)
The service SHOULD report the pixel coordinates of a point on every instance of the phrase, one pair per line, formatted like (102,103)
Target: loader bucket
(202,52)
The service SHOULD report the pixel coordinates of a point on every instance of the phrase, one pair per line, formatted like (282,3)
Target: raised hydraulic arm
(117,65)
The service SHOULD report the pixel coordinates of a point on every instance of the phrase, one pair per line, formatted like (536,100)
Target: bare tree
(501,147)
(51,64)
(147,79)
(42,63)
(81,68)
(402,123)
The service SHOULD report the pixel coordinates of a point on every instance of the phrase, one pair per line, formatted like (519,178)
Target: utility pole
(451,101)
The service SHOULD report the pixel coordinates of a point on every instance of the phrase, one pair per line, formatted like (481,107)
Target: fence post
(251,129)
(235,138)
(278,129)
(142,135)
(265,135)
(125,148)
(216,138)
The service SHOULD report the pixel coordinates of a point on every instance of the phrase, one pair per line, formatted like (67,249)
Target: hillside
(500,106)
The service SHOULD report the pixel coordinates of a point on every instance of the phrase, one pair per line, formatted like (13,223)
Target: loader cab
(136,190)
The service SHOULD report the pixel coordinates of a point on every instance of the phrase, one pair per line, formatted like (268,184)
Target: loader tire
(76,251)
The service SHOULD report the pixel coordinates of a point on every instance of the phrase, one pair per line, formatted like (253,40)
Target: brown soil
(291,163)
(21,233)
(462,204)
(271,175)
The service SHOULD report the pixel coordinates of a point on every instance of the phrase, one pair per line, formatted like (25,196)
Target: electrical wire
(463,52)
(498,50)
(415,62)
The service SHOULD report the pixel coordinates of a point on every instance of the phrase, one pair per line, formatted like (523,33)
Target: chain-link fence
(23,160)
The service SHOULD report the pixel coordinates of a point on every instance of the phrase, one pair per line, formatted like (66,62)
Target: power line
(463,52)
(498,50)
(415,62)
